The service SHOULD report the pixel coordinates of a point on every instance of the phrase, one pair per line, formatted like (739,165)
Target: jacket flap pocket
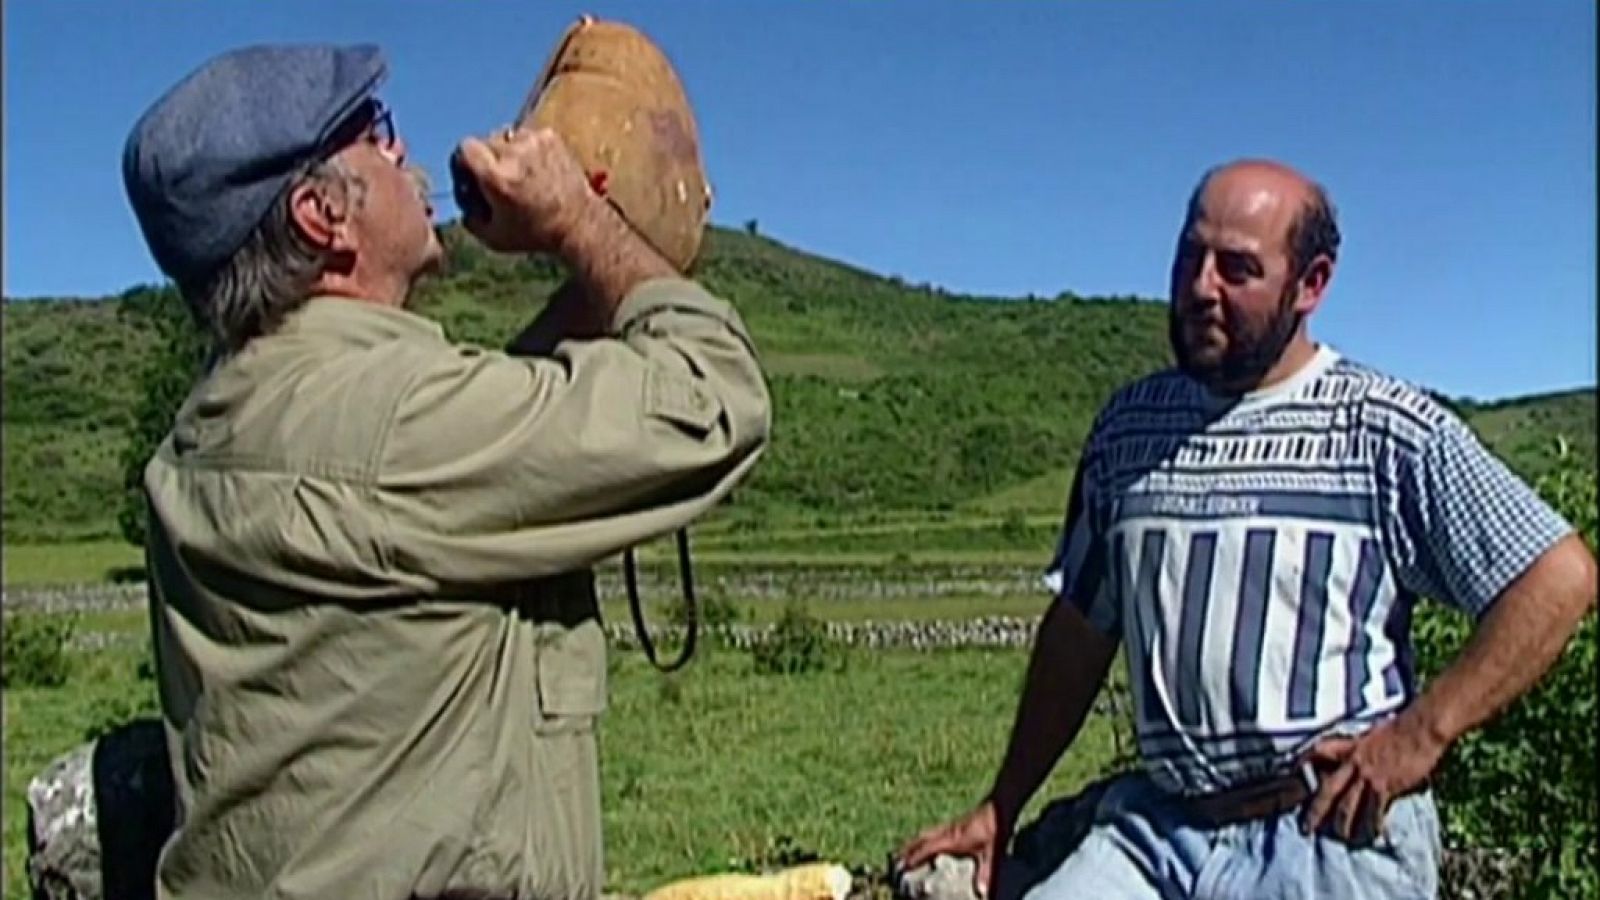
(571,671)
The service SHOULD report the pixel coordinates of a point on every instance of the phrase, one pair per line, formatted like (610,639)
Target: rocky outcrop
(97,817)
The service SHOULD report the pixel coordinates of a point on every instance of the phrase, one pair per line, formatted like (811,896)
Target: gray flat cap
(207,160)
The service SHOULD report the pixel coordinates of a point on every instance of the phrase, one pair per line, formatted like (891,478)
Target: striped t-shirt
(1259,557)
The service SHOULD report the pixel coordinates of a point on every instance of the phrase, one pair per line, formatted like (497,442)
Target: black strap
(692,620)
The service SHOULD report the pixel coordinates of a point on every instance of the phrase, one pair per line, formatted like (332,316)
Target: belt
(1255,800)
(568,598)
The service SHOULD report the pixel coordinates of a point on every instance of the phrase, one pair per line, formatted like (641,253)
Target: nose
(1206,285)
(396,151)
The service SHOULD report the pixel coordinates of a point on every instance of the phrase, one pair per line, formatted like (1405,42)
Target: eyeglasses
(373,123)
(381,129)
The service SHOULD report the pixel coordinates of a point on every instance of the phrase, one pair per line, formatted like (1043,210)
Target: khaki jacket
(369,595)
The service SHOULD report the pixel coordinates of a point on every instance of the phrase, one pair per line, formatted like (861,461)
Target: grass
(881,538)
(710,769)
(870,558)
(838,366)
(934,543)
(1046,494)
(38,565)
(1522,430)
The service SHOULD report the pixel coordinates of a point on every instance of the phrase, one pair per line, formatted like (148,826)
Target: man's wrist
(607,256)
(581,242)
(1428,721)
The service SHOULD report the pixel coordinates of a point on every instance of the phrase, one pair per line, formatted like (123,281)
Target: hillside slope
(889,396)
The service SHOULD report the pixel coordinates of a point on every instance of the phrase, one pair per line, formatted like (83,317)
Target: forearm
(608,259)
(1065,672)
(1513,646)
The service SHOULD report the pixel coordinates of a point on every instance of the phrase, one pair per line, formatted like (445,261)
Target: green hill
(891,398)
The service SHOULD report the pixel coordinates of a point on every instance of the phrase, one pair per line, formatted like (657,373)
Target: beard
(1251,351)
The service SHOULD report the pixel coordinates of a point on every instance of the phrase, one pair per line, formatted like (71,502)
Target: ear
(1313,284)
(321,212)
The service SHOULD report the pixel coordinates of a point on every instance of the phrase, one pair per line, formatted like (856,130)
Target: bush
(1526,783)
(178,352)
(106,714)
(35,650)
(716,613)
(797,644)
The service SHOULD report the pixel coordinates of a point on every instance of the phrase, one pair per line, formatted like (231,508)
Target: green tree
(1526,783)
(178,351)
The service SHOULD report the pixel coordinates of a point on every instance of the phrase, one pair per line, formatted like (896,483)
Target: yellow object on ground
(813,881)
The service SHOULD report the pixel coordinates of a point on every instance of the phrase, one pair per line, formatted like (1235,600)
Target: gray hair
(273,272)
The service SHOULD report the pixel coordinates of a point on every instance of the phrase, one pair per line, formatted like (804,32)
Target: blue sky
(994,148)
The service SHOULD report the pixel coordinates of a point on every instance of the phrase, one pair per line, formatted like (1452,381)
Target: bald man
(1253,528)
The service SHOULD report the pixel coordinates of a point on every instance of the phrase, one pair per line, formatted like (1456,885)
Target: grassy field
(37,565)
(1014,540)
(715,771)
(713,768)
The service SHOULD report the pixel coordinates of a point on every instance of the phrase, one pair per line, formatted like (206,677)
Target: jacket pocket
(571,674)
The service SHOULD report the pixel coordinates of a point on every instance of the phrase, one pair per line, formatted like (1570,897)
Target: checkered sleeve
(1465,526)
(1077,572)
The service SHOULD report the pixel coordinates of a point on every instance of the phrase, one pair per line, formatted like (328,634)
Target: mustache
(420,181)
(1200,319)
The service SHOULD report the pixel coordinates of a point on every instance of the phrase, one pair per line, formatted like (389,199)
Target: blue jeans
(1142,846)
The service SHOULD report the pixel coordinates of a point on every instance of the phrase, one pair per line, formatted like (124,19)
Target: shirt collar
(1319,363)
(359,322)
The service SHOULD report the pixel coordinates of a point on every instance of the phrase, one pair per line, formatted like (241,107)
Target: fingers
(1368,822)
(963,837)
(1349,819)
(916,851)
(520,188)
(1328,795)
(923,847)
(1330,752)
(982,876)
(497,160)
(486,166)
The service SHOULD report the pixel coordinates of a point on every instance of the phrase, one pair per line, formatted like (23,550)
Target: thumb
(476,173)
(1330,751)
(475,164)
(921,848)
(476,155)
(982,877)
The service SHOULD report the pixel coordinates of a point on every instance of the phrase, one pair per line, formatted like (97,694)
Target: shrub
(35,648)
(178,351)
(716,613)
(1526,782)
(1014,527)
(108,713)
(797,644)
